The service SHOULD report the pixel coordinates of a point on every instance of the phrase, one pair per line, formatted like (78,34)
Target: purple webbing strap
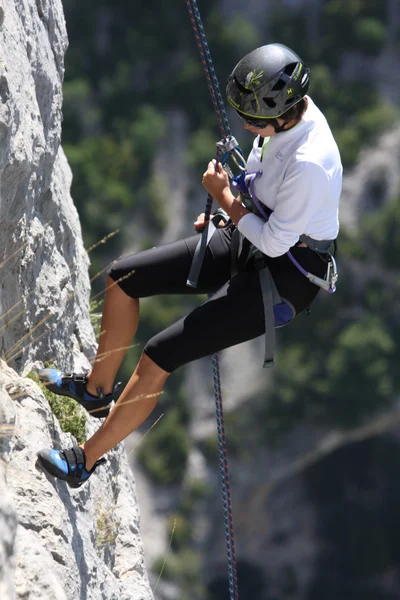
(296,263)
(258,204)
(330,289)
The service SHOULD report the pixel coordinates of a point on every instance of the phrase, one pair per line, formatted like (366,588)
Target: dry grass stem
(129,401)
(104,355)
(102,271)
(19,302)
(11,320)
(103,241)
(5,261)
(144,435)
(6,431)
(41,322)
(113,284)
(5,315)
(22,350)
(166,556)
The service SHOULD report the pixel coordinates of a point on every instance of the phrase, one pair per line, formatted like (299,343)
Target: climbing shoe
(74,386)
(68,465)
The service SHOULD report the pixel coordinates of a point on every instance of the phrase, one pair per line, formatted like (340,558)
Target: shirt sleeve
(299,198)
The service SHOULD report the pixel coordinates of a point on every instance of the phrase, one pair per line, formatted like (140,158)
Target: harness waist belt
(316,245)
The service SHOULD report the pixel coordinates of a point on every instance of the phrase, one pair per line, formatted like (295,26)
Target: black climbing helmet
(267,82)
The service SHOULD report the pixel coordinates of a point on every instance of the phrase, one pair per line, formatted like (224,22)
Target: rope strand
(225,486)
(220,112)
(211,77)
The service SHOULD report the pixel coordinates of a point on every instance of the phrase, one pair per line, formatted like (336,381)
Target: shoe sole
(50,469)
(98,412)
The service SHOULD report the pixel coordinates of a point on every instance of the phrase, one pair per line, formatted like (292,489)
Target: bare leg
(135,404)
(118,326)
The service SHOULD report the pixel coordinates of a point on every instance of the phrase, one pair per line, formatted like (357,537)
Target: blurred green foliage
(184,569)
(164,453)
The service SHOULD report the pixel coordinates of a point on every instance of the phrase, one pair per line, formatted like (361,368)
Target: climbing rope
(220,112)
(212,81)
(208,67)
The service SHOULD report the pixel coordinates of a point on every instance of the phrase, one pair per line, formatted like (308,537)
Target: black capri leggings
(232,315)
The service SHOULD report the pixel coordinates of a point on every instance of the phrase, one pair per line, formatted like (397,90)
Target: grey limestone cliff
(55,543)
(44,279)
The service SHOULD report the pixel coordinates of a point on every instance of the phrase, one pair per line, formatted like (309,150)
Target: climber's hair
(295,112)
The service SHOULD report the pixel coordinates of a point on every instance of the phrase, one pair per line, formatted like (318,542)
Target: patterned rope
(211,77)
(225,487)
(220,112)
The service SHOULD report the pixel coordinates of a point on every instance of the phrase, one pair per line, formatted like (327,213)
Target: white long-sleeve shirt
(301,183)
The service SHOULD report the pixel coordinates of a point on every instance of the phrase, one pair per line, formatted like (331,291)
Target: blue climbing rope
(220,112)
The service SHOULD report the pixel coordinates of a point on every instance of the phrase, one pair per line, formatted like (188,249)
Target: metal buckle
(228,145)
(331,273)
(78,378)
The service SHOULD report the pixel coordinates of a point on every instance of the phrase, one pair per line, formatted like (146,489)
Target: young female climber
(283,227)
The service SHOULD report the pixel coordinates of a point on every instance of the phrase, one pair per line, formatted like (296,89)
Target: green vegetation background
(128,64)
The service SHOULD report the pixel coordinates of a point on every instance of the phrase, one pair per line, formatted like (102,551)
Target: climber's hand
(215,180)
(200,222)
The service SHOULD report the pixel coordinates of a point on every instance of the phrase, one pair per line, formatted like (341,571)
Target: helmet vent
(241,87)
(269,102)
(280,84)
(290,68)
(293,100)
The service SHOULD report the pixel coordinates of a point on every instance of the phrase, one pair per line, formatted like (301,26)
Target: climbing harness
(278,311)
(245,184)
(219,108)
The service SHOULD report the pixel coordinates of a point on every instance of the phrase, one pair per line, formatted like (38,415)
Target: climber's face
(258,126)
(267,131)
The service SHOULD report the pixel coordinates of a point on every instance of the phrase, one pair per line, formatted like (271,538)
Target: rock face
(55,543)
(69,543)
(44,280)
(8,524)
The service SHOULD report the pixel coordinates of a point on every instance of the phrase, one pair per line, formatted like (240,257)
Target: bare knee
(109,281)
(112,284)
(147,367)
(117,292)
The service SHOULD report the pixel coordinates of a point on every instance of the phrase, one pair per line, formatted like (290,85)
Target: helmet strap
(278,128)
(297,118)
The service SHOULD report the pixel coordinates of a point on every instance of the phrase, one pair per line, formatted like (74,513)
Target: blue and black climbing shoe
(68,465)
(74,386)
